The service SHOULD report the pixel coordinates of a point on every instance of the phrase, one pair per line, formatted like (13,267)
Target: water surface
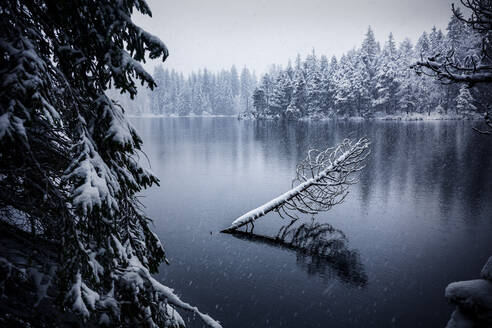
(420,218)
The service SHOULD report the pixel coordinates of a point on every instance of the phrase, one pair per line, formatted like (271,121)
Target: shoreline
(386,118)
(389,118)
(175,116)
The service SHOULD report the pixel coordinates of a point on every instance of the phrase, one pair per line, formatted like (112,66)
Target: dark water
(420,218)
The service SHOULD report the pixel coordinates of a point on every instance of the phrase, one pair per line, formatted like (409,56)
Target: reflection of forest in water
(417,158)
(320,250)
(413,158)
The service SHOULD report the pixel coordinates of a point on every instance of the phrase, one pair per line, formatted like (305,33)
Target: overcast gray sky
(217,33)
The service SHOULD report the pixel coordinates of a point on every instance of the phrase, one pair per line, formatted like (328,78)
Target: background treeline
(374,81)
(369,81)
(200,93)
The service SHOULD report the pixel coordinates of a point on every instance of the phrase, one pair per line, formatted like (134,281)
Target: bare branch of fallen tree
(322,181)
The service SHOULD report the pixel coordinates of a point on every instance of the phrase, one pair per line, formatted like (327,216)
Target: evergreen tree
(361,85)
(342,93)
(297,104)
(423,46)
(234,78)
(369,49)
(464,102)
(436,41)
(69,158)
(259,103)
(456,33)
(267,86)
(329,87)
(387,78)
(183,102)
(224,95)
(281,95)
(203,102)
(314,92)
(157,98)
(247,85)
(406,78)
(369,54)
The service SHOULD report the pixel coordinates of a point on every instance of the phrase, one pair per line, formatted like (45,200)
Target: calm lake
(420,218)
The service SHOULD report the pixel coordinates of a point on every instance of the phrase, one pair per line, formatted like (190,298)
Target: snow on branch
(475,68)
(138,280)
(95,183)
(481,18)
(322,181)
(488,124)
(451,72)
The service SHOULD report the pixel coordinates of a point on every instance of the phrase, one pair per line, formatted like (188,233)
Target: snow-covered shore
(473,300)
(428,117)
(382,117)
(148,115)
(397,117)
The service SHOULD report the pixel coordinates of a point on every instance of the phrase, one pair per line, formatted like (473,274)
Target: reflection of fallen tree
(321,182)
(320,248)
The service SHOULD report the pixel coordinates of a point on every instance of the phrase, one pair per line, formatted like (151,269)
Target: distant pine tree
(464,102)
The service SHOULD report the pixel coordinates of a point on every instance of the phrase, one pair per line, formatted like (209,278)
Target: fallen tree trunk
(322,182)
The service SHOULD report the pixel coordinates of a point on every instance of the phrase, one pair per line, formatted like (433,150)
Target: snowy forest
(200,94)
(369,81)
(375,81)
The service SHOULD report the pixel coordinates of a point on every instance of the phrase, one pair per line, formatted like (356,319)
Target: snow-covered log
(322,181)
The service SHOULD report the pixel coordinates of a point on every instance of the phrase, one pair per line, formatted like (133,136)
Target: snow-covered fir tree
(259,102)
(464,101)
(247,85)
(387,78)
(298,102)
(69,169)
